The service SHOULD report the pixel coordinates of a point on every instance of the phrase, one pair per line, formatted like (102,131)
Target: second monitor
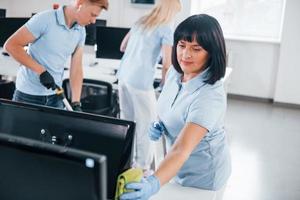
(109,40)
(8,26)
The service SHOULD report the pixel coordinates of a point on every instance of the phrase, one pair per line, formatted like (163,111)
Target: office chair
(7,89)
(97,97)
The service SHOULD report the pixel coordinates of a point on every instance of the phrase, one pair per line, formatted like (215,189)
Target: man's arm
(15,47)
(76,74)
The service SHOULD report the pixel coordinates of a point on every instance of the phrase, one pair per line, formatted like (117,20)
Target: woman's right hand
(156,129)
(142,190)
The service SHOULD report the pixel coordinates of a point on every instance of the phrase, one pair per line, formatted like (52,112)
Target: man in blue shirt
(53,36)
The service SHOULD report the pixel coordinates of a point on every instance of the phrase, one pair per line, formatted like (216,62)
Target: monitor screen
(108,42)
(32,170)
(8,26)
(104,135)
(90,30)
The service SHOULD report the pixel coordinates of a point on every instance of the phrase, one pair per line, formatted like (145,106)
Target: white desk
(97,69)
(176,192)
(104,70)
(8,66)
(93,68)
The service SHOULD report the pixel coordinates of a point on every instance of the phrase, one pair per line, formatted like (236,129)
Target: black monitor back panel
(32,170)
(108,42)
(108,136)
(8,26)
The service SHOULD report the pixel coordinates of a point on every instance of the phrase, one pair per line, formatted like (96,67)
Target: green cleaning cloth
(130,175)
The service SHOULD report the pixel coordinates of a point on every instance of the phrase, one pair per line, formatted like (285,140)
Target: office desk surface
(8,66)
(176,192)
(98,69)
(93,68)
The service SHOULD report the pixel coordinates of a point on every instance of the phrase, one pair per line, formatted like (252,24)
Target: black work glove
(47,80)
(76,105)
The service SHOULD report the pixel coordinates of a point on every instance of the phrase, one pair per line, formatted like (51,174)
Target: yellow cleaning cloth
(130,175)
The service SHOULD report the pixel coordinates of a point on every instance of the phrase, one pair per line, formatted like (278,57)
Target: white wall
(254,67)
(121,13)
(185,11)
(128,13)
(7,5)
(288,77)
(21,8)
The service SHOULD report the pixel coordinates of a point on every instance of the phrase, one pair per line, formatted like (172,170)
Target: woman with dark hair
(191,109)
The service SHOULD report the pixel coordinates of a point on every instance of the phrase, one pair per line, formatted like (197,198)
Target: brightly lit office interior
(262,120)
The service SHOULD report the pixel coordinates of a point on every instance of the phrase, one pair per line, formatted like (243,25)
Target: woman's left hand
(156,130)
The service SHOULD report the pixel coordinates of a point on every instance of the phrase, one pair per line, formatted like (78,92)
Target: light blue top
(137,67)
(208,167)
(54,44)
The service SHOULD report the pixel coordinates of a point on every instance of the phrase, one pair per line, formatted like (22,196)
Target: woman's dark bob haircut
(206,31)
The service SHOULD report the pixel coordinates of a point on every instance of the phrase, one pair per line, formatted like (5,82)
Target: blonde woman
(149,36)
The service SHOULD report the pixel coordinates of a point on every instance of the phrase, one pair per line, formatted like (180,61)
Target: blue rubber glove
(155,131)
(142,190)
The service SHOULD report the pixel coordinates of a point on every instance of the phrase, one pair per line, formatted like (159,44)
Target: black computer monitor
(33,170)
(108,42)
(90,29)
(8,26)
(104,135)
(2,13)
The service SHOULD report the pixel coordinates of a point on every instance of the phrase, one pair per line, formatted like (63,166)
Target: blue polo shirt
(209,166)
(137,67)
(54,45)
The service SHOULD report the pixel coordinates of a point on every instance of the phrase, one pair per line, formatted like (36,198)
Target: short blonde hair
(163,12)
(101,3)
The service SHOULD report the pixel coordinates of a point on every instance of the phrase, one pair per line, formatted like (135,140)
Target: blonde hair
(101,3)
(162,13)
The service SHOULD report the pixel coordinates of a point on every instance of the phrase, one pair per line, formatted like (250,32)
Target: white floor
(265,147)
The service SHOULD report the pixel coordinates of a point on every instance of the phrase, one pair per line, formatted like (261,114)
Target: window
(255,19)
